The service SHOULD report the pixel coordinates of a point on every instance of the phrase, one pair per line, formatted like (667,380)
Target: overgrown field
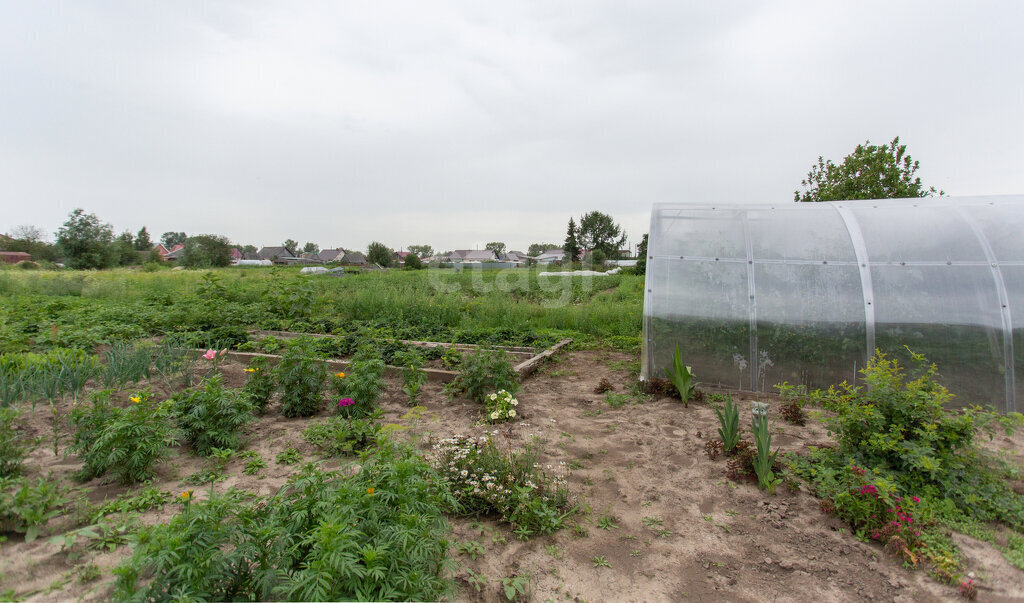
(41,310)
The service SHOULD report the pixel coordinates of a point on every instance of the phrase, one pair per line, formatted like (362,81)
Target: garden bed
(664,521)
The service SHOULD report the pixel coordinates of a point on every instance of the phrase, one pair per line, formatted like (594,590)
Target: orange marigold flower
(369,490)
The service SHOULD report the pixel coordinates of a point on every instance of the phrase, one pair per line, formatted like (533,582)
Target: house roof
(270,253)
(331,255)
(474,255)
(236,254)
(354,257)
(515,256)
(159,248)
(552,254)
(250,255)
(402,254)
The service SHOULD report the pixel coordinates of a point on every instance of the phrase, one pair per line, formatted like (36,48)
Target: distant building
(163,251)
(331,255)
(550,256)
(278,255)
(400,256)
(354,258)
(13,257)
(466,256)
(515,257)
(235,254)
(175,253)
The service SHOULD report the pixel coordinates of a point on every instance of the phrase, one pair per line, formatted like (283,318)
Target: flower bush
(501,407)
(362,386)
(486,480)
(339,435)
(259,384)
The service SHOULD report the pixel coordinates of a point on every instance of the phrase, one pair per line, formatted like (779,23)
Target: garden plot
(658,519)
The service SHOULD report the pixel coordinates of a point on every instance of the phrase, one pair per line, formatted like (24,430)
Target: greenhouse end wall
(755,295)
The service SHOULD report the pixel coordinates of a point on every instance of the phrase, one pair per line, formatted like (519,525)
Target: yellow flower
(250,370)
(339,375)
(369,490)
(135,399)
(185,496)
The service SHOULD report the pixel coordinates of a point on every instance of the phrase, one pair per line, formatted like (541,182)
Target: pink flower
(210,354)
(915,499)
(869,489)
(346,402)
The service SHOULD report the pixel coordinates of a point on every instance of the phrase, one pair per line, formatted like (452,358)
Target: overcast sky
(458,123)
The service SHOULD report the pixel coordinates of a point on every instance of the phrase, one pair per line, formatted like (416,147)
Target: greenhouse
(755,295)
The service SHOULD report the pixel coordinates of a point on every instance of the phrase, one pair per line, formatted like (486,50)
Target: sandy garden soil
(716,540)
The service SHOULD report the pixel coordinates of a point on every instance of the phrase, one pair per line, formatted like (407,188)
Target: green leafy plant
(514,586)
(144,500)
(254,465)
(15,446)
(764,460)
(290,456)
(451,359)
(682,378)
(302,379)
(259,384)
(729,424)
(127,441)
(470,548)
(339,435)
(483,372)
(379,534)
(600,561)
(26,508)
(413,375)
(211,416)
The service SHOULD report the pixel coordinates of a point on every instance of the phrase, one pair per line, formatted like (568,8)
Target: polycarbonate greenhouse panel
(755,295)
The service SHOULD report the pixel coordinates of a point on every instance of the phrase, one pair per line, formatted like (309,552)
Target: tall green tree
(539,248)
(172,238)
(571,247)
(30,240)
(310,248)
(142,240)
(86,242)
(206,251)
(497,247)
(424,251)
(599,231)
(291,245)
(379,253)
(124,249)
(870,172)
(641,256)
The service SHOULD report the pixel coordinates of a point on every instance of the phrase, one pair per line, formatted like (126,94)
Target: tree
(291,245)
(124,250)
(870,172)
(412,262)
(311,248)
(424,251)
(539,248)
(30,240)
(379,253)
(86,242)
(142,240)
(206,251)
(497,247)
(598,231)
(571,247)
(170,239)
(641,256)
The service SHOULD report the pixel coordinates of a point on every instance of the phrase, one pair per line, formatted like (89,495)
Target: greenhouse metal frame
(754,295)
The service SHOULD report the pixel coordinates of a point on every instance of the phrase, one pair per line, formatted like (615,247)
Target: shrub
(14,445)
(259,384)
(211,417)
(301,378)
(362,386)
(127,441)
(482,373)
(89,420)
(486,480)
(682,378)
(27,508)
(377,535)
(500,407)
(338,435)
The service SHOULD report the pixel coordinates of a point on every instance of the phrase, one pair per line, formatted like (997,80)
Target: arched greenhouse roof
(755,295)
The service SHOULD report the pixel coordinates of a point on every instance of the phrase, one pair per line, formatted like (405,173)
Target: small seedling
(607,522)
(600,561)
(471,549)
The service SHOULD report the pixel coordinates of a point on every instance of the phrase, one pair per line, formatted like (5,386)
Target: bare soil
(680,529)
